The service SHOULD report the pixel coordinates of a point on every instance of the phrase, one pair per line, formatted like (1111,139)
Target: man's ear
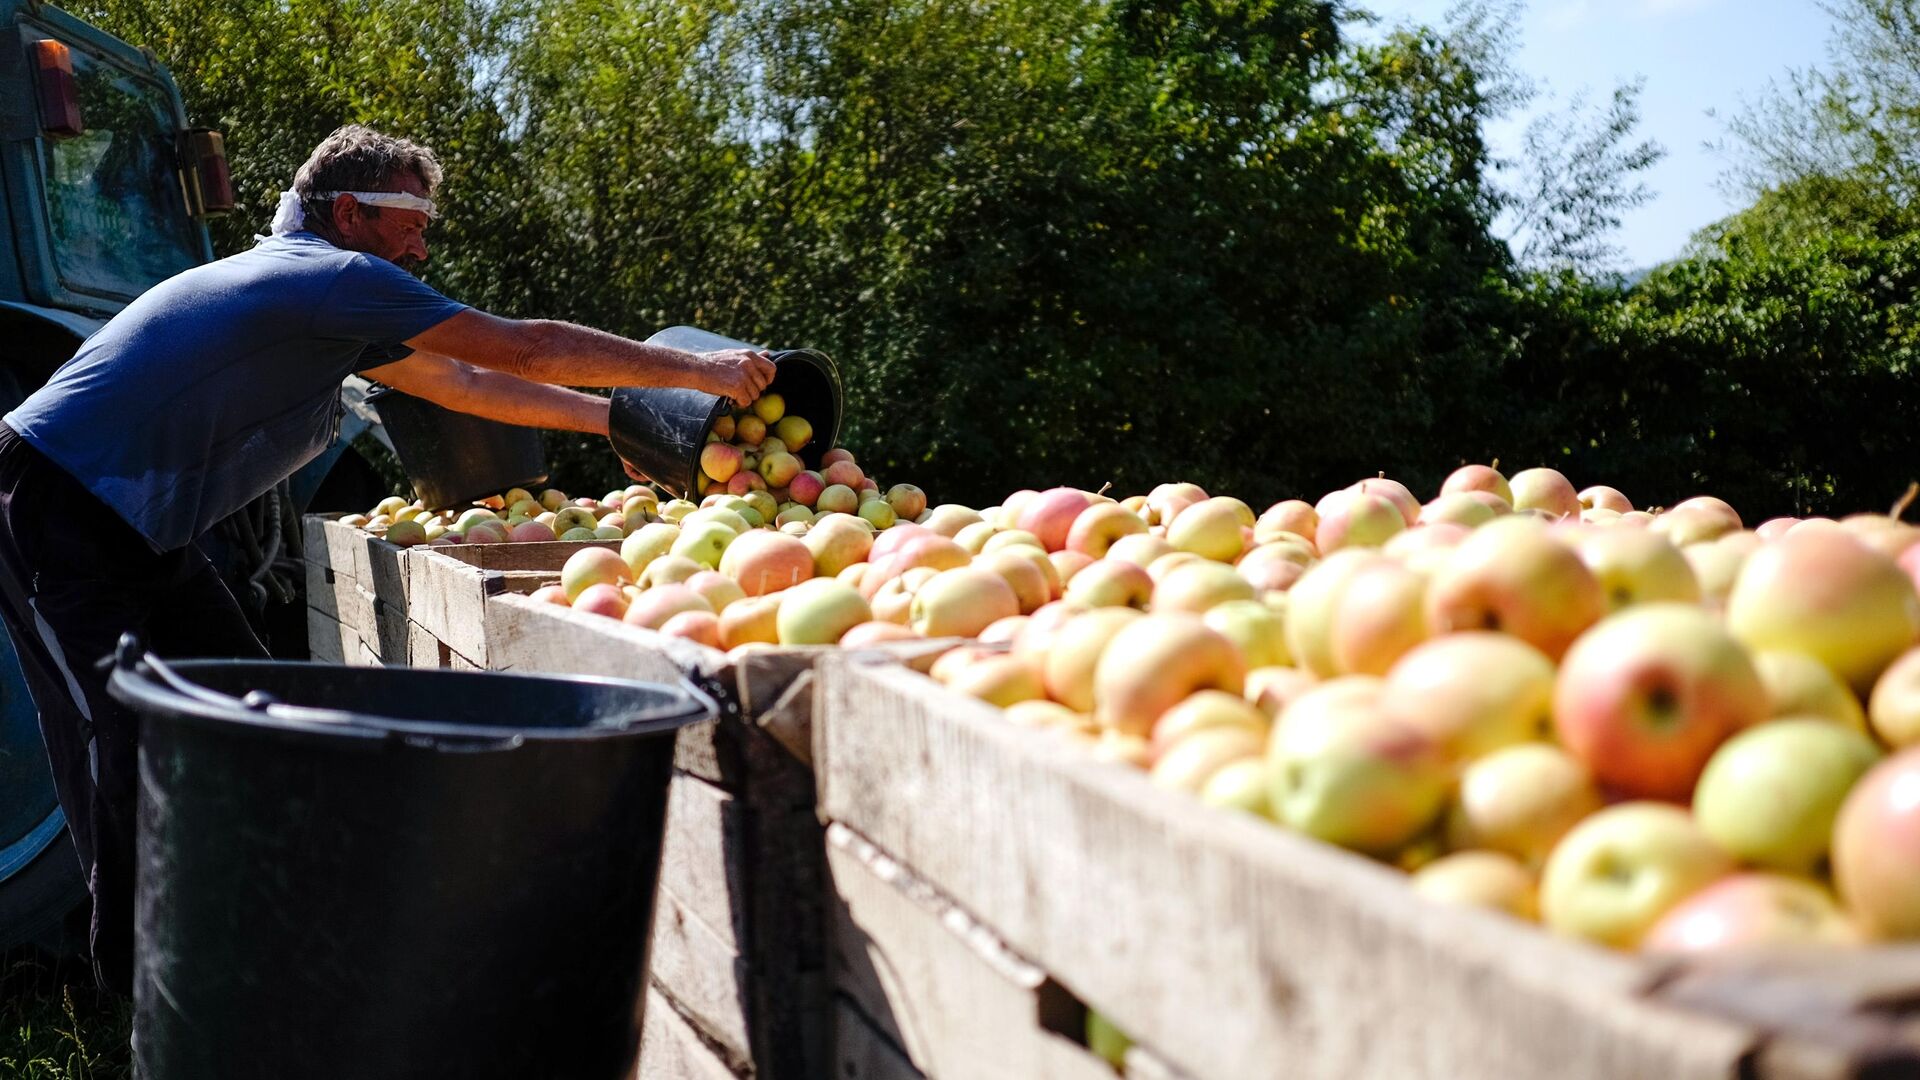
(346,210)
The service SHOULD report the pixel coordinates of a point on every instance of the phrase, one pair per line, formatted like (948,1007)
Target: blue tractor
(106,190)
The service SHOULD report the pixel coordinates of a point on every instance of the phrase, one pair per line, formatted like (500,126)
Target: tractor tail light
(207,175)
(59,95)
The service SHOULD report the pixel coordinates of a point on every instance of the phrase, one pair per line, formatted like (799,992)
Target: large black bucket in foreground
(661,430)
(394,872)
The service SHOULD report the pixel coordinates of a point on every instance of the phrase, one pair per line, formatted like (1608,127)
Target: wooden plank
(448,598)
(936,982)
(426,651)
(550,555)
(1220,943)
(347,550)
(324,638)
(699,863)
(366,655)
(391,630)
(386,572)
(355,609)
(701,974)
(670,1049)
(861,1052)
(320,586)
(526,635)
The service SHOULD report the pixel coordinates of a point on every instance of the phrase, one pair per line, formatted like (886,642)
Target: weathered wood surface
(424,606)
(357,581)
(540,556)
(670,1048)
(1224,946)
(940,985)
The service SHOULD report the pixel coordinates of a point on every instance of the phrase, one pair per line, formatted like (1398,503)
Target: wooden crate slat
(699,861)
(936,982)
(698,971)
(1222,944)
(670,1049)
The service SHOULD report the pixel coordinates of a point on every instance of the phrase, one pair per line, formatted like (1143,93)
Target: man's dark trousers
(74,576)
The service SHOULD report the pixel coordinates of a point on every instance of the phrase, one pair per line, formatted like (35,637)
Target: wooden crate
(371,602)
(1228,947)
(446,591)
(739,937)
(356,595)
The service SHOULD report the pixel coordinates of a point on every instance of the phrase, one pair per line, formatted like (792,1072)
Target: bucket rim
(138,684)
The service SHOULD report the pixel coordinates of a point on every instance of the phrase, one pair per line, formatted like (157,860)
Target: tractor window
(120,221)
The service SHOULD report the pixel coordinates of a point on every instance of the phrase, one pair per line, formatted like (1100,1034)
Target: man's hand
(740,374)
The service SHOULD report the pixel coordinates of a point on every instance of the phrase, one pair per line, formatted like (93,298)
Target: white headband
(289,216)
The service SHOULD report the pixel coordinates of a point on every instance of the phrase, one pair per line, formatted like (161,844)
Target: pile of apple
(1650,729)
(760,468)
(514,517)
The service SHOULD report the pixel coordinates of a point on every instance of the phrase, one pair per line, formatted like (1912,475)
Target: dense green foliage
(1079,241)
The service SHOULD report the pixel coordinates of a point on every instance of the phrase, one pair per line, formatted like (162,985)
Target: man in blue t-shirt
(207,391)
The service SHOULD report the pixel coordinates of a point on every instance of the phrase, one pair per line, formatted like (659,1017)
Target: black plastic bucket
(394,872)
(661,429)
(454,457)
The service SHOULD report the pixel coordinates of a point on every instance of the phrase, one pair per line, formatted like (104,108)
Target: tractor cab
(105,190)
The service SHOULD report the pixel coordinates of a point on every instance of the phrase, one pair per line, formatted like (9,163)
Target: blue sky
(1696,55)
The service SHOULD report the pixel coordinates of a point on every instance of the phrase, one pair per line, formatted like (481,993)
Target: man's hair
(358,158)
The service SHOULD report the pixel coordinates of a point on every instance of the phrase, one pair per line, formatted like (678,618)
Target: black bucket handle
(140,675)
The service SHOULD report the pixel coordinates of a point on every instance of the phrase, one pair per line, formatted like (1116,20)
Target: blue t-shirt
(220,382)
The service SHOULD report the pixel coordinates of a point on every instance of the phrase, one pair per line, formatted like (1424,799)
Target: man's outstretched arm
(495,395)
(565,354)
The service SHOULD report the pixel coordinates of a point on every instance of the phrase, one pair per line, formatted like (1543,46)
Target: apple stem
(1494,465)
(1900,508)
(1104,487)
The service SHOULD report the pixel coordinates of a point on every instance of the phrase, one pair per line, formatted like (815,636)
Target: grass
(55,1026)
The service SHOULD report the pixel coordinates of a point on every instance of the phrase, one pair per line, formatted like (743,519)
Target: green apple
(819,611)
(1824,593)
(717,513)
(1635,566)
(1619,871)
(1521,800)
(1770,795)
(1485,879)
(1894,706)
(1313,601)
(1257,629)
(705,541)
(1211,529)
(1799,685)
(646,544)
(1240,785)
(1473,692)
(1345,774)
